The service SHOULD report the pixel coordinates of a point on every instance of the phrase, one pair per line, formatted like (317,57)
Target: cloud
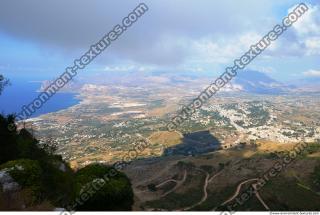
(172,36)
(128,68)
(312,73)
(307,31)
(223,50)
(302,39)
(309,23)
(313,45)
(266,70)
(161,37)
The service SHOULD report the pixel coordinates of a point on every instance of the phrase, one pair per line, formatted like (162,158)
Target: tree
(3,83)
(8,145)
(316,177)
(152,187)
(113,193)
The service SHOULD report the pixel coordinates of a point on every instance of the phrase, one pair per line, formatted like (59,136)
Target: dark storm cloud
(161,36)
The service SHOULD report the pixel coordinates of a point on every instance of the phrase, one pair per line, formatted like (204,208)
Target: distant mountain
(257,82)
(309,84)
(249,81)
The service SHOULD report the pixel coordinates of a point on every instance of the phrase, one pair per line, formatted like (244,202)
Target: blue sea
(22,92)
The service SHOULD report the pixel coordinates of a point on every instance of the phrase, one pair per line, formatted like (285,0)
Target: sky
(39,39)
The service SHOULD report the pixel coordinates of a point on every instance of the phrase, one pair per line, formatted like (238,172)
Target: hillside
(217,180)
(32,177)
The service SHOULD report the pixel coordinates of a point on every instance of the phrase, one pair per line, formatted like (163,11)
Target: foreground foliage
(33,178)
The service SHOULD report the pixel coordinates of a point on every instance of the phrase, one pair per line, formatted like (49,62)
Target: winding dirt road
(259,198)
(205,192)
(256,193)
(238,190)
(177,185)
(170,180)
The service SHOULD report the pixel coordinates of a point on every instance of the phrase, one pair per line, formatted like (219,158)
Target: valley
(209,160)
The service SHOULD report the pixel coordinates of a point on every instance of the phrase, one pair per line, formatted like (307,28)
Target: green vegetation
(27,173)
(185,165)
(188,194)
(3,83)
(215,199)
(259,115)
(42,173)
(115,193)
(174,201)
(47,178)
(286,194)
(209,169)
(316,178)
(41,180)
(152,187)
(312,148)
(167,187)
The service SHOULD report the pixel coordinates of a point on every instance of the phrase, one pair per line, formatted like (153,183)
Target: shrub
(115,194)
(316,177)
(27,173)
(8,145)
(152,187)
